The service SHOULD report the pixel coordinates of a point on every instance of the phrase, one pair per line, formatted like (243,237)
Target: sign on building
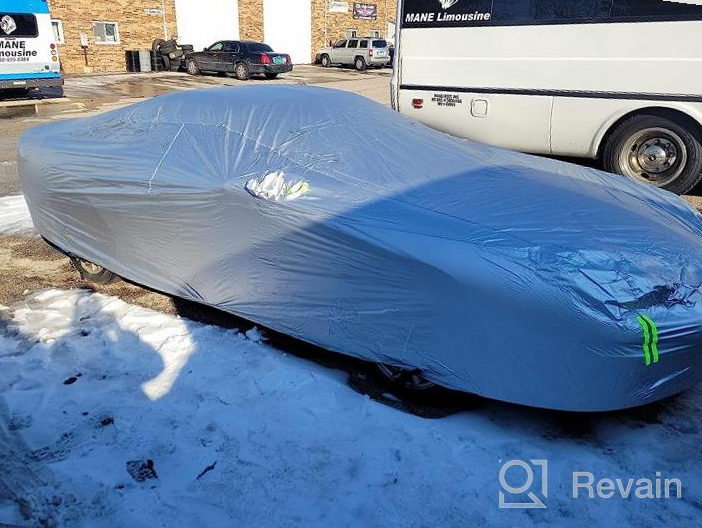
(365,11)
(153,12)
(338,7)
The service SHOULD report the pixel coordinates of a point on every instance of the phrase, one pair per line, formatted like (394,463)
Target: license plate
(382,53)
(279,60)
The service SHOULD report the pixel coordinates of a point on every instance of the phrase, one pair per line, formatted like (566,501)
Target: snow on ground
(14,217)
(112,415)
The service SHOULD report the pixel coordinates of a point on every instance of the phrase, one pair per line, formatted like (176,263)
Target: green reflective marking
(647,339)
(654,341)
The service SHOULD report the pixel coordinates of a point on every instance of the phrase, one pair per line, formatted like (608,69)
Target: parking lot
(259,423)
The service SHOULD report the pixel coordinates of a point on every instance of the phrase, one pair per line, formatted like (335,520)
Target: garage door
(204,22)
(287,28)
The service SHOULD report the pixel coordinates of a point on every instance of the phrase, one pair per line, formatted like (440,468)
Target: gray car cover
(492,272)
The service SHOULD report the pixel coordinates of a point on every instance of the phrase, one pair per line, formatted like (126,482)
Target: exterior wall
(333,26)
(136,29)
(251,20)
(198,26)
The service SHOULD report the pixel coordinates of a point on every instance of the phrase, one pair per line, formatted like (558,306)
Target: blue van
(28,52)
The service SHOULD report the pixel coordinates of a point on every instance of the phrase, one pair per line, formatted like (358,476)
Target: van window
(18,25)
(352,44)
(530,11)
(340,44)
(652,10)
(363,44)
(380,43)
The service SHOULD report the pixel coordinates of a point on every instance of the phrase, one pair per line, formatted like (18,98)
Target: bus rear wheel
(656,150)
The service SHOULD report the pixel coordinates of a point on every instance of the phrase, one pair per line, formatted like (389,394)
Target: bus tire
(662,151)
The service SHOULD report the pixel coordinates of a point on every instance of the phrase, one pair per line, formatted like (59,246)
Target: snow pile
(14,217)
(114,415)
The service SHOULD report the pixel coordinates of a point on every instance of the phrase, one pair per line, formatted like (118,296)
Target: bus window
(16,25)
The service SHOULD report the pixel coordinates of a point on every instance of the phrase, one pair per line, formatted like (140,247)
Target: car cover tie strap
(650,344)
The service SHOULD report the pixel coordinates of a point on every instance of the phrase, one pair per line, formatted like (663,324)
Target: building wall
(202,22)
(198,26)
(251,19)
(333,26)
(137,30)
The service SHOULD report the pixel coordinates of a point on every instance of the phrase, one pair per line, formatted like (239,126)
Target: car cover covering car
(510,276)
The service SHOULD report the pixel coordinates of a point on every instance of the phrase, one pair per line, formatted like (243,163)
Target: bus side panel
(598,58)
(579,125)
(510,121)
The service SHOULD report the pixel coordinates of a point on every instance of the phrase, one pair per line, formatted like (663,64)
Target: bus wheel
(655,150)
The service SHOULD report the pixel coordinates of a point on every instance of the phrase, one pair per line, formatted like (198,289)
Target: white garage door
(287,28)
(204,22)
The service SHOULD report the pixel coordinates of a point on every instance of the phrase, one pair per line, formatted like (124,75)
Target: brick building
(297,27)
(110,28)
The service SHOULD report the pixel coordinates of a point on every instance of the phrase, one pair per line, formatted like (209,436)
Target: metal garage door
(204,22)
(287,26)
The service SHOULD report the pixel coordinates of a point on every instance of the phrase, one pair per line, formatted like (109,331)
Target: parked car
(242,58)
(361,53)
(447,261)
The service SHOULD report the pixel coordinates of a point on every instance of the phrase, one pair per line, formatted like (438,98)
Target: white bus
(28,54)
(615,80)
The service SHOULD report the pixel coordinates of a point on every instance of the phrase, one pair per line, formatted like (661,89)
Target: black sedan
(242,58)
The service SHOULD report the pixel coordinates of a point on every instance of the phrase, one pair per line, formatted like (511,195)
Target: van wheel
(242,71)
(360,63)
(92,272)
(405,379)
(326,61)
(656,150)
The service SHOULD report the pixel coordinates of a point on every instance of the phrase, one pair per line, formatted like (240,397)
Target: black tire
(242,71)
(168,46)
(175,54)
(271,75)
(157,43)
(360,63)
(187,47)
(92,272)
(166,62)
(409,380)
(326,61)
(192,68)
(662,151)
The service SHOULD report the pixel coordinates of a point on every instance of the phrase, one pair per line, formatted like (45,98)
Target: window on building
(57,26)
(106,32)
(375,33)
(351,33)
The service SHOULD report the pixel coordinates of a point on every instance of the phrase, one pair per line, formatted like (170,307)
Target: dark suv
(242,58)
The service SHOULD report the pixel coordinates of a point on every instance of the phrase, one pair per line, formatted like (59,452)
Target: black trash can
(132,59)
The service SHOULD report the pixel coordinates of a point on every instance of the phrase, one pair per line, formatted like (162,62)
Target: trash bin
(145,60)
(132,59)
